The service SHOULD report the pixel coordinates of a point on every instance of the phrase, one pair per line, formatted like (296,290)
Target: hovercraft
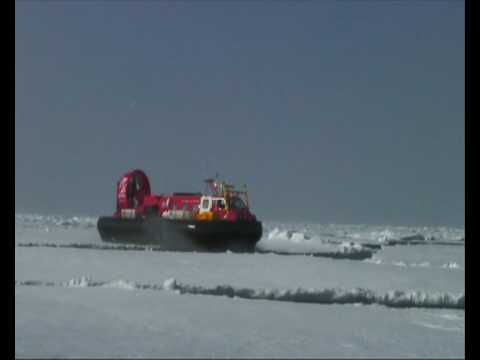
(219,219)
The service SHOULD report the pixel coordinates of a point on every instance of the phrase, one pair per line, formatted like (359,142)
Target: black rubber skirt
(182,235)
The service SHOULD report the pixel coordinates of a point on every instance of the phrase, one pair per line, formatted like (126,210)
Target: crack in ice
(394,298)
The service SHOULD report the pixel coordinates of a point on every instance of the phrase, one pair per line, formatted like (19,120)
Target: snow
(76,296)
(286,242)
(170,284)
(451,265)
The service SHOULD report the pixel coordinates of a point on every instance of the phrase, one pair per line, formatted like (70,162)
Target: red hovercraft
(217,220)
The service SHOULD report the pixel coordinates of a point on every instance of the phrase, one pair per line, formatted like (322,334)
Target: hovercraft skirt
(182,235)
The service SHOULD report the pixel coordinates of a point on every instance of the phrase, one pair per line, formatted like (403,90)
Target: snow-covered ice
(344,291)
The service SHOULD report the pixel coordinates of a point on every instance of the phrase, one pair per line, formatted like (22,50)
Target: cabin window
(237,204)
(205,204)
(221,204)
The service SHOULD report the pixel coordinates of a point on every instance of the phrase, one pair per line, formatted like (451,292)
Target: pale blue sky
(331,111)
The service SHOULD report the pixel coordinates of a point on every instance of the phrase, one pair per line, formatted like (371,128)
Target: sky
(345,112)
